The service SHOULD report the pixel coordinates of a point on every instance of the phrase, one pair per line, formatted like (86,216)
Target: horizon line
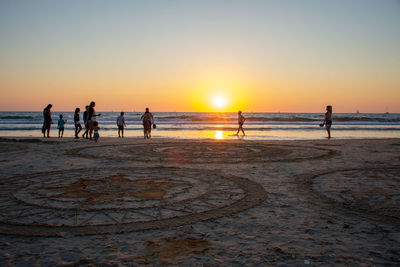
(284,112)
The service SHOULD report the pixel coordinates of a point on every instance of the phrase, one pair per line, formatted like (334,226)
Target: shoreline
(163,138)
(258,126)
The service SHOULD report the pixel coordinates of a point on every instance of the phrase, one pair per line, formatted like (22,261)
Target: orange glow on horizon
(221,92)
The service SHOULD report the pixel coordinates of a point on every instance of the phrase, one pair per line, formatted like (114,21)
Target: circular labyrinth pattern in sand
(204,152)
(372,191)
(94,201)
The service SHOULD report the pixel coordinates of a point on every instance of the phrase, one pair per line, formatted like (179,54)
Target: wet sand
(199,202)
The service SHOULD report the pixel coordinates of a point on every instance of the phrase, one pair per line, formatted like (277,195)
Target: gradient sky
(287,56)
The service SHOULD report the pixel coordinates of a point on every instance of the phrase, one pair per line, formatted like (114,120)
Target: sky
(219,55)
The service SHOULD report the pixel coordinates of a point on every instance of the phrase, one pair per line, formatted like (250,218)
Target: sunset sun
(219,101)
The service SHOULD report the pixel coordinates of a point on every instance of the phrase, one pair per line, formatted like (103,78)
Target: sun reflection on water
(219,135)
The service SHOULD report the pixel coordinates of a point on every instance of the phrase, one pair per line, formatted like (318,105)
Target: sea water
(258,126)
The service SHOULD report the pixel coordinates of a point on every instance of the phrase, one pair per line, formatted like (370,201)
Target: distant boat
(358,112)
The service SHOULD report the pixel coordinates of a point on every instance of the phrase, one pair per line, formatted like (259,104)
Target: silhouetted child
(96,129)
(121,124)
(77,122)
(241,120)
(328,120)
(61,123)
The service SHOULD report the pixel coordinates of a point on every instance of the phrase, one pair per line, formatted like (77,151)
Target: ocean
(195,125)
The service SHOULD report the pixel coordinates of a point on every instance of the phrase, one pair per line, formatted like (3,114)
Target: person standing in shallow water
(327,120)
(121,124)
(61,123)
(147,119)
(47,120)
(241,120)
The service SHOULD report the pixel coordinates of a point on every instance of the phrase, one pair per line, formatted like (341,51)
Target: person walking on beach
(92,118)
(85,117)
(121,124)
(61,123)
(241,120)
(47,120)
(77,123)
(328,120)
(147,119)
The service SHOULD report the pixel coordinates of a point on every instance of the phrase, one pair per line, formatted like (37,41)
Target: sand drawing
(55,203)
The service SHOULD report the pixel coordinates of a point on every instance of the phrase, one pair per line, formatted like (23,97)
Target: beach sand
(199,202)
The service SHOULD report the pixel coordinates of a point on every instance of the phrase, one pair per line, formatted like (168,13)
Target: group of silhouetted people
(92,126)
(89,119)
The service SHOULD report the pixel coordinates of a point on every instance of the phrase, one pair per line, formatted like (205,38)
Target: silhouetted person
(241,120)
(77,123)
(47,120)
(61,123)
(92,118)
(147,119)
(121,124)
(96,129)
(85,121)
(328,120)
